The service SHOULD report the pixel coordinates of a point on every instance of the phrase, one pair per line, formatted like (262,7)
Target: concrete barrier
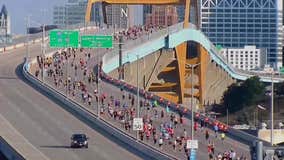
(14,146)
(9,48)
(82,112)
(8,151)
(20,45)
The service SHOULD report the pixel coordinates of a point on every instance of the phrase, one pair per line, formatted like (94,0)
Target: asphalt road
(44,123)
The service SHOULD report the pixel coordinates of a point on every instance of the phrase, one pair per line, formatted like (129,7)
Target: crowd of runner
(162,127)
(134,32)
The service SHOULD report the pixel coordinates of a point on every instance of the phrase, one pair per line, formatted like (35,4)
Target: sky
(20,9)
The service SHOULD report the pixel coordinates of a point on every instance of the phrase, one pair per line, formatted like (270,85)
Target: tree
(239,95)
(279,88)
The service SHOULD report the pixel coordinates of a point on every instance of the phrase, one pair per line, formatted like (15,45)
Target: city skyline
(28,7)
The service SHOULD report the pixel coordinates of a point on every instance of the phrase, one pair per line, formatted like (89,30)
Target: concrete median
(9,151)
(14,146)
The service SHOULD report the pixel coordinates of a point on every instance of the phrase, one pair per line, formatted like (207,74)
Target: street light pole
(272,110)
(192,92)
(98,89)
(138,96)
(138,107)
(43,50)
(43,45)
(28,39)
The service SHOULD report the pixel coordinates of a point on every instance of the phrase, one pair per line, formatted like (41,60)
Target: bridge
(48,126)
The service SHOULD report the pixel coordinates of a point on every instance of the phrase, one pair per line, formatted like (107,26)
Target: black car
(79,141)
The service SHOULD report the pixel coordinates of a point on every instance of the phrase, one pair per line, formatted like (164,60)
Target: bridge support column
(203,59)
(181,51)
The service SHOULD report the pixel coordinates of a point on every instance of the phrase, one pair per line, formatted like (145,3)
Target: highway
(44,123)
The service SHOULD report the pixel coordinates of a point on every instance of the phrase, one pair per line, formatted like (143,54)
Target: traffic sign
(192,144)
(95,41)
(192,154)
(64,39)
(137,124)
(281,69)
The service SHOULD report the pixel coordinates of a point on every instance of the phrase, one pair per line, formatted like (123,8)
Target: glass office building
(237,23)
(73,12)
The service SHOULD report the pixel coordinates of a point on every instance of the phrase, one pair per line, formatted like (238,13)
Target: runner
(206,134)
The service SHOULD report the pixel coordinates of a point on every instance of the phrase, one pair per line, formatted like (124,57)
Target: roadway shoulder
(18,142)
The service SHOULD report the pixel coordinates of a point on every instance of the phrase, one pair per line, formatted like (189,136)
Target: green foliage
(279,88)
(243,94)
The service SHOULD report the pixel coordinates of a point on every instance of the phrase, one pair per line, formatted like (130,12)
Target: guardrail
(15,146)
(85,113)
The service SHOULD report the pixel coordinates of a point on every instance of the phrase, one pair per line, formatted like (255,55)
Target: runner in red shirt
(195,126)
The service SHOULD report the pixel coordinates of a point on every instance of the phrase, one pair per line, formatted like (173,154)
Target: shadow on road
(3,77)
(63,147)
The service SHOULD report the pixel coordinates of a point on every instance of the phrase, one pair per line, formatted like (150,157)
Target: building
(120,16)
(147,9)
(247,58)
(238,23)
(135,13)
(124,16)
(162,15)
(180,11)
(194,12)
(116,15)
(73,12)
(5,26)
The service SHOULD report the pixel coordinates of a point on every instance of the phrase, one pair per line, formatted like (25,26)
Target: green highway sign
(64,39)
(282,69)
(95,41)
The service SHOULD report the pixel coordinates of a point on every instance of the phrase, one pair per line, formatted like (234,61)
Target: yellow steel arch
(181,50)
(157,2)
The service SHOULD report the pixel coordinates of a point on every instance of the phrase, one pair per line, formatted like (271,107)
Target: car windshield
(79,136)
